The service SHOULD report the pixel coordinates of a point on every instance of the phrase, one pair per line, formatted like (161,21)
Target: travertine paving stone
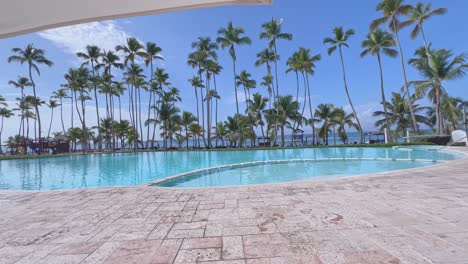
(412,216)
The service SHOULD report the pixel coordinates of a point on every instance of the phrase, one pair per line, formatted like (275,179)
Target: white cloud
(73,39)
(365,113)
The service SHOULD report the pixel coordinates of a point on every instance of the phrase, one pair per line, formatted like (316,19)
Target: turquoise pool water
(287,171)
(130,169)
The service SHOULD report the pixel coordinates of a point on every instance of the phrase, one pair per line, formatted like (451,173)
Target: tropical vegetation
(132,73)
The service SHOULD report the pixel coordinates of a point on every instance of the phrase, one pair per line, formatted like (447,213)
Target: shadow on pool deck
(417,216)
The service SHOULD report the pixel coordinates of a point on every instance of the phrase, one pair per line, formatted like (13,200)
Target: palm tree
(391,11)
(132,49)
(419,14)
(34,102)
(187,120)
(3,101)
(230,37)
(326,114)
(452,113)
(307,62)
(152,52)
(256,107)
(266,57)
(244,79)
(400,116)
(267,82)
(210,94)
(139,85)
(204,54)
(33,57)
(167,112)
(135,75)
(272,31)
(214,69)
(294,66)
(91,57)
(376,43)
(21,83)
(52,105)
(337,41)
(75,135)
(123,130)
(161,80)
(60,94)
(109,61)
(196,83)
(4,113)
(196,131)
(444,67)
(343,120)
(221,132)
(287,110)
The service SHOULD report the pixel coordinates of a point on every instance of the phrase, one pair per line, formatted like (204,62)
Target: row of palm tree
(98,78)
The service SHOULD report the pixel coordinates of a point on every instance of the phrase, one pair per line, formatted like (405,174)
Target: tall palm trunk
(108,116)
(149,103)
(149,116)
(203,117)
(208,121)
(439,124)
(297,96)
(83,122)
(361,134)
(277,89)
(310,109)
(111,110)
(384,101)
(36,107)
(97,106)
(155,114)
(61,115)
(216,109)
(237,99)
(120,109)
(111,100)
(305,93)
(246,99)
(71,110)
(405,79)
(198,111)
(132,101)
(139,116)
(22,112)
(50,124)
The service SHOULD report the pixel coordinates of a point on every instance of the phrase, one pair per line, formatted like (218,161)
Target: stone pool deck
(413,216)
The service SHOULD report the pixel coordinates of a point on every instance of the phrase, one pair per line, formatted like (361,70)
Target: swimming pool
(131,169)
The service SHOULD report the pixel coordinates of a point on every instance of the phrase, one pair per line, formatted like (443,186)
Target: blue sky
(309,22)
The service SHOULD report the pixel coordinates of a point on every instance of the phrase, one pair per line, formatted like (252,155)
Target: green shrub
(441,140)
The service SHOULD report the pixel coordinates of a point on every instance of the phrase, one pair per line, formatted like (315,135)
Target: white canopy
(25,16)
